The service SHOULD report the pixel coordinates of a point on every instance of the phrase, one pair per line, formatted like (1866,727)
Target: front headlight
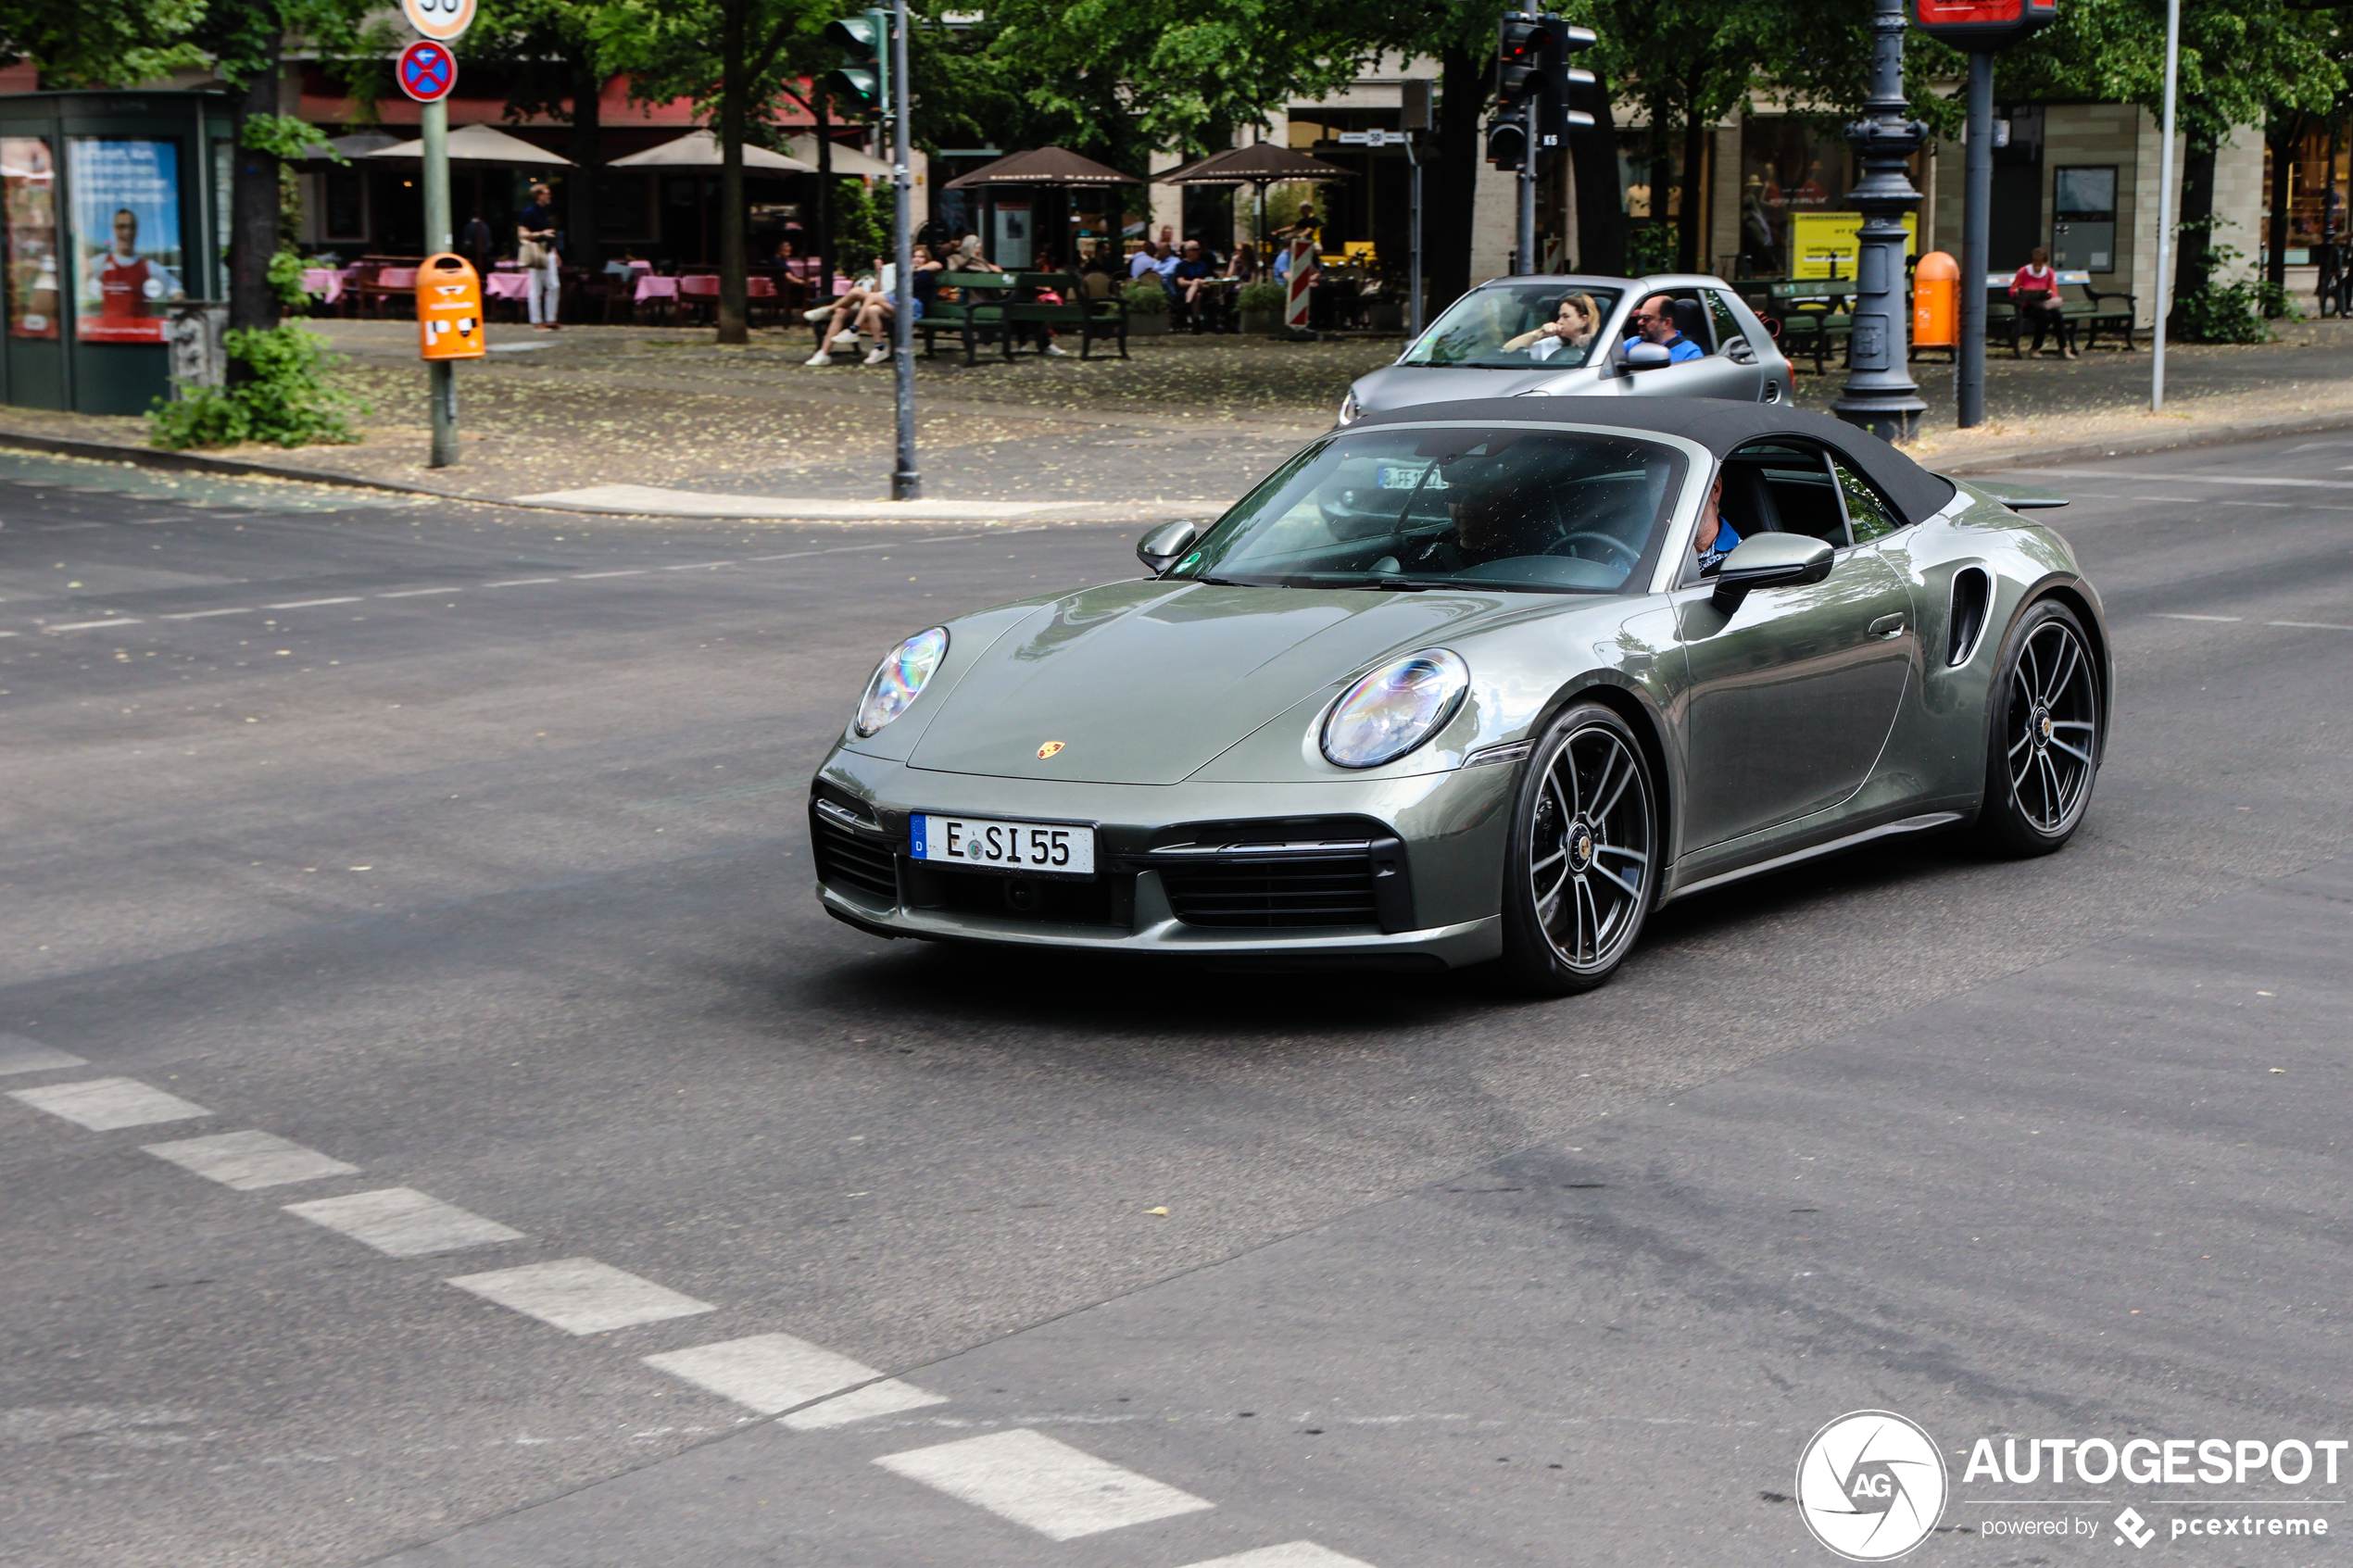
(1349,409)
(1395,708)
(900,678)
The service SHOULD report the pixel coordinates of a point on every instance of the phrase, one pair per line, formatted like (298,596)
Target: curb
(2157,441)
(238,468)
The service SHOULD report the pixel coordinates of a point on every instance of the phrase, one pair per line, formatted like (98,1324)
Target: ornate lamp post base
(1879,394)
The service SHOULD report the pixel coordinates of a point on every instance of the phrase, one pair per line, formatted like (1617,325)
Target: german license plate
(1033,849)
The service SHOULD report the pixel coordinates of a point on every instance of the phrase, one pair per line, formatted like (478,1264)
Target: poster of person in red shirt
(126,228)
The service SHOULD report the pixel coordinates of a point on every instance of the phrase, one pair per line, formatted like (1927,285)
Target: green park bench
(2091,310)
(978,311)
(1090,318)
(1814,317)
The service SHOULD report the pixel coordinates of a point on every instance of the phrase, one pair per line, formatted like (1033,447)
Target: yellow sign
(1821,245)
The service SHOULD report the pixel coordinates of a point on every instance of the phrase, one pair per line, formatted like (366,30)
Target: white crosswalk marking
(246,1160)
(104,1104)
(1291,1554)
(887,1397)
(774,1372)
(20,1055)
(1054,1488)
(580,1296)
(403,1223)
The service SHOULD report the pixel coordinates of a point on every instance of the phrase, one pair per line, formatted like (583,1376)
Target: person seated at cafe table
(1194,280)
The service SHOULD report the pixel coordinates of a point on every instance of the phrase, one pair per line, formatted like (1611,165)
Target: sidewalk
(663,422)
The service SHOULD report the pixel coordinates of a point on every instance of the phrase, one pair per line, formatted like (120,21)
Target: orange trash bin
(1936,299)
(448,308)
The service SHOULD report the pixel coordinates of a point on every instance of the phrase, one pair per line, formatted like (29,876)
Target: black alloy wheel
(1583,863)
(2045,750)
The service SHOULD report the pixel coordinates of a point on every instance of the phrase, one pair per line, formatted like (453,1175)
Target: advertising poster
(1823,244)
(28,191)
(126,233)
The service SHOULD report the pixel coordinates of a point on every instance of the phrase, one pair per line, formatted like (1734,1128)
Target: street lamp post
(906,483)
(1879,394)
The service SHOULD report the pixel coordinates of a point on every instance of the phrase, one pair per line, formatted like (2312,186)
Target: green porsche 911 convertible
(1479,681)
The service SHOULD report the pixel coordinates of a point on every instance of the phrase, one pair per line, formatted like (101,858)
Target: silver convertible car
(1579,337)
(1474,682)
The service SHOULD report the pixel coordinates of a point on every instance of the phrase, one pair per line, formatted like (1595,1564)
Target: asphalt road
(464,849)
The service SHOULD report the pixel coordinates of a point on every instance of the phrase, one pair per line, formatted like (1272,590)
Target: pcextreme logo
(1870,1485)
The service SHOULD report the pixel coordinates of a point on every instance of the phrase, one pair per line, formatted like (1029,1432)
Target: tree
(731,55)
(556,57)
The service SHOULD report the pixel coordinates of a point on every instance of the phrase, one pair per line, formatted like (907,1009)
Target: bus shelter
(116,206)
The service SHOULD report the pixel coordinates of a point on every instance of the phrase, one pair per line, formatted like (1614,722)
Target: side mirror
(1770,560)
(1159,548)
(1647,355)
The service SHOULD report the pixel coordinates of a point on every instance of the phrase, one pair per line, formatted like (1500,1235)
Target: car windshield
(1513,326)
(1530,510)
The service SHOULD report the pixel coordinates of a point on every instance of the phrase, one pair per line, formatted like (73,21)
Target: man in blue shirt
(1654,319)
(1714,538)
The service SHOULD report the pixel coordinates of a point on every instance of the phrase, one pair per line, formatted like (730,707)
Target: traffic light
(1519,56)
(1507,139)
(863,77)
(1533,77)
(1564,81)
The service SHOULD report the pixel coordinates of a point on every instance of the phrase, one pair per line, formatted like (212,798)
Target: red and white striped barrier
(1302,273)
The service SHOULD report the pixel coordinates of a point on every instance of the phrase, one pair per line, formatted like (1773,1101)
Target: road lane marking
(2310,625)
(20,1055)
(770,1372)
(632,571)
(418,592)
(890,1397)
(1291,1554)
(312,604)
(248,1160)
(2165,615)
(90,625)
(697,565)
(521,581)
(104,1104)
(580,1296)
(403,1223)
(1060,1492)
(201,614)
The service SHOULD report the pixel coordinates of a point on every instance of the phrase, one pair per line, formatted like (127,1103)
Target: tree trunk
(1447,191)
(733,325)
(823,103)
(2195,232)
(1662,176)
(582,247)
(1600,205)
(2275,226)
(253,203)
(1687,235)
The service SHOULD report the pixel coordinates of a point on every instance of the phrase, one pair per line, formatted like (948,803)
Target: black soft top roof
(1718,424)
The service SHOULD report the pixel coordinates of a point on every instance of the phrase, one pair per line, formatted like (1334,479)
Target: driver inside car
(1714,538)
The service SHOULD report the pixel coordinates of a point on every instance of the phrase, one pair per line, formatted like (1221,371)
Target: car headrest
(1691,319)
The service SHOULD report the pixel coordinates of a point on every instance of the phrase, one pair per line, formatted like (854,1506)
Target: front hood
(1409,386)
(1147,682)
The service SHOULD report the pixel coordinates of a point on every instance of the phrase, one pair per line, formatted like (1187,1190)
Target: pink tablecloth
(651,287)
(506,285)
(324,281)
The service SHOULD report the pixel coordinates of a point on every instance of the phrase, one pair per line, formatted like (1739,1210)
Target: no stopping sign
(427,70)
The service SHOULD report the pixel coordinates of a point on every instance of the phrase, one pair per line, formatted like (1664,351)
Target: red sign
(427,70)
(1983,24)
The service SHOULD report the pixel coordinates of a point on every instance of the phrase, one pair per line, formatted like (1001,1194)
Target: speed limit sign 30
(439,20)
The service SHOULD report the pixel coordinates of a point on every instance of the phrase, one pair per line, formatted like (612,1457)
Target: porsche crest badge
(1049,749)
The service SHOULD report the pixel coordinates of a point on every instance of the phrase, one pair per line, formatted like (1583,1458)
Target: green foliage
(281,397)
(281,135)
(1650,247)
(1262,296)
(2218,312)
(1147,297)
(100,42)
(861,223)
(285,278)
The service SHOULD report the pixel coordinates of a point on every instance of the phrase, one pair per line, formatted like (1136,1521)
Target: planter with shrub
(1261,308)
(1147,308)
(277,393)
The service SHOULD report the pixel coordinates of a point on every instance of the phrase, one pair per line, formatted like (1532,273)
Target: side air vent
(1972,596)
(853,856)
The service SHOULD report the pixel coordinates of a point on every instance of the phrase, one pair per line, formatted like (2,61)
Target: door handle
(1888,626)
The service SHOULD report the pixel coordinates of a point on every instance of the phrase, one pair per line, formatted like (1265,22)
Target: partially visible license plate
(1041,848)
